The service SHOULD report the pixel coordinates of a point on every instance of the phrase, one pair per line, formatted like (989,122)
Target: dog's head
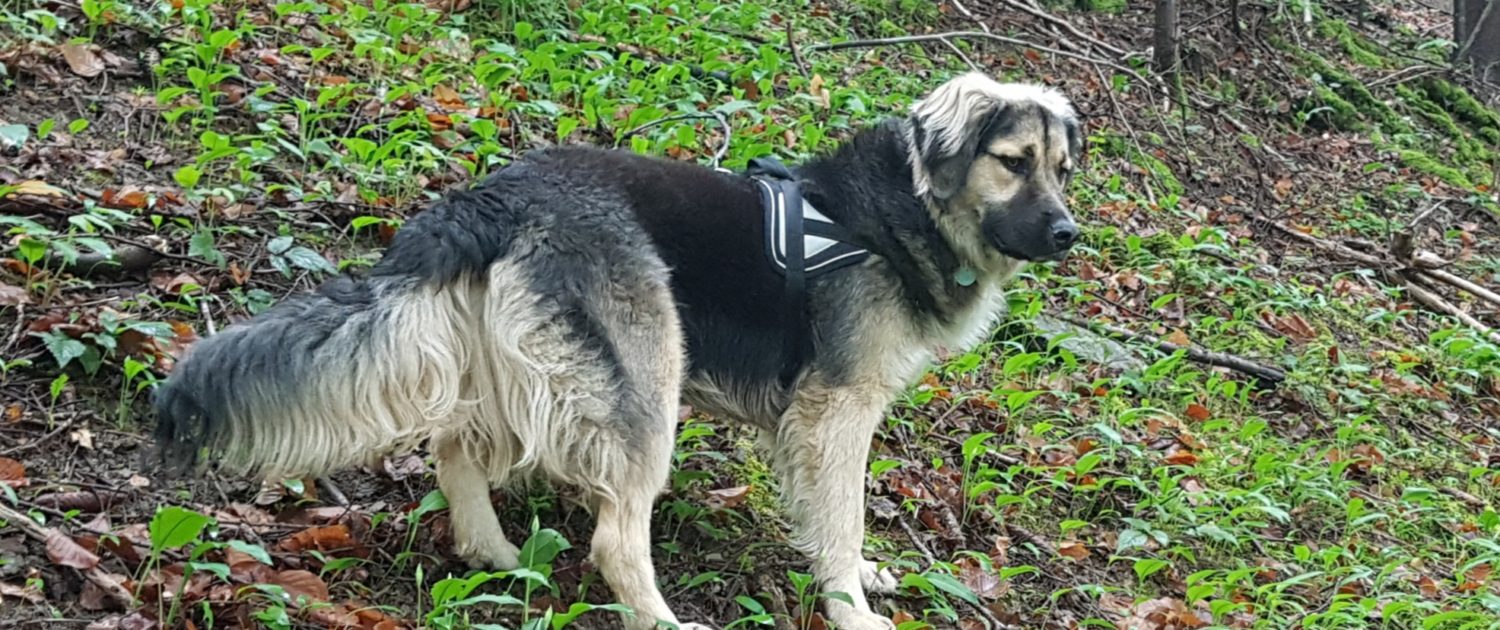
(993,160)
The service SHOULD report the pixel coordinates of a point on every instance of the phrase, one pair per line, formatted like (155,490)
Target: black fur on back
(589,217)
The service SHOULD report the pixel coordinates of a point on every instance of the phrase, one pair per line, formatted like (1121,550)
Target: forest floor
(1307,201)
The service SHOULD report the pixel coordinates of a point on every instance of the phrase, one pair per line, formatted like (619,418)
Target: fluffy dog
(549,320)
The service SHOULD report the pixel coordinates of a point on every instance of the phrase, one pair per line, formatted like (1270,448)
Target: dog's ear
(947,172)
(1077,140)
(946,128)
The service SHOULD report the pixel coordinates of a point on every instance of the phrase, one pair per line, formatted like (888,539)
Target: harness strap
(800,242)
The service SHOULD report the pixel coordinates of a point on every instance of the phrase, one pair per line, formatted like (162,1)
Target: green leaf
(1145,567)
(174,527)
(952,586)
(431,502)
(279,245)
(31,249)
(750,604)
(13,136)
(187,176)
(56,389)
(524,30)
(1130,538)
(565,126)
(560,620)
(63,348)
(254,551)
(219,569)
(543,547)
(310,260)
(202,246)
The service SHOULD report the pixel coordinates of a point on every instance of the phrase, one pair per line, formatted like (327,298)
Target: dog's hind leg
(644,329)
(819,454)
(477,537)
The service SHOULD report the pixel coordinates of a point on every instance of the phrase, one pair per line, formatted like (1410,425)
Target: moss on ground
(1355,45)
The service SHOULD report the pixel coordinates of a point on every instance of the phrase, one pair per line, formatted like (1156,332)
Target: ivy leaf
(310,260)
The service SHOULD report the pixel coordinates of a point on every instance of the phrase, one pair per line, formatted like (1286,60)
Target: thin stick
(1462,283)
(333,491)
(935,37)
(1265,373)
(791,42)
(104,581)
(1037,11)
(967,61)
(208,318)
(968,14)
(1437,303)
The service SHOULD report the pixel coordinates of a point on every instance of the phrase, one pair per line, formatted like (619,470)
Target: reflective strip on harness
(823,249)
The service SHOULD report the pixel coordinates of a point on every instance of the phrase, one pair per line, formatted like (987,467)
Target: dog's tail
(319,382)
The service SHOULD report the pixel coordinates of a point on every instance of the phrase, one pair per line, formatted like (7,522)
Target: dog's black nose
(1064,234)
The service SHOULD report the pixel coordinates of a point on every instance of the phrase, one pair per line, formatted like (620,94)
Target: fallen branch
(106,582)
(1408,276)
(1265,373)
(1462,283)
(1036,10)
(938,37)
(1437,303)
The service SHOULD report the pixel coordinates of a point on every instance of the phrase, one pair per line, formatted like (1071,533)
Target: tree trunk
(1165,58)
(1476,29)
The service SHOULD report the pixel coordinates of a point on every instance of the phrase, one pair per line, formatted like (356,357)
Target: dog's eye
(1015,164)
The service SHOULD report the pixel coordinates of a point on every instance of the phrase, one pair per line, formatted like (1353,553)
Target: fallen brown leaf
(12,472)
(1073,549)
(1182,458)
(299,583)
(82,59)
(323,539)
(1428,587)
(28,593)
(13,295)
(727,498)
(37,188)
(1198,412)
(62,550)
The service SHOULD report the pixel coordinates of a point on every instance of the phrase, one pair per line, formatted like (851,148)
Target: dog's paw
(693,626)
(490,552)
(848,618)
(877,580)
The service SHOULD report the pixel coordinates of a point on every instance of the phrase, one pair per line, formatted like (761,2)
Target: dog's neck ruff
(800,243)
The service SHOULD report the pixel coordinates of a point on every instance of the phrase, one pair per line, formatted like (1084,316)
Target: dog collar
(800,243)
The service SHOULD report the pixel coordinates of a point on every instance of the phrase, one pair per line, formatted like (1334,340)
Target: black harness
(800,243)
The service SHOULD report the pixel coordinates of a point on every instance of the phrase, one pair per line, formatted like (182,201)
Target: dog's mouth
(1013,253)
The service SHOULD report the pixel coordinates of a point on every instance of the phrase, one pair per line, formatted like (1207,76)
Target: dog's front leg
(819,453)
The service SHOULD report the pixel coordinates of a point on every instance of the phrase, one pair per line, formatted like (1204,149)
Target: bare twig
(107,583)
(39,441)
(937,37)
(791,42)
(970,14)
(1036,11)
(333,491)
(967,61)
(1462,283)
(1437,303)
(15,335)
(1266,373)
(208,317)
(1409,278)
(780,616)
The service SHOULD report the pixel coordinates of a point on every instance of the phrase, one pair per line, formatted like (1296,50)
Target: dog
(549,321)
